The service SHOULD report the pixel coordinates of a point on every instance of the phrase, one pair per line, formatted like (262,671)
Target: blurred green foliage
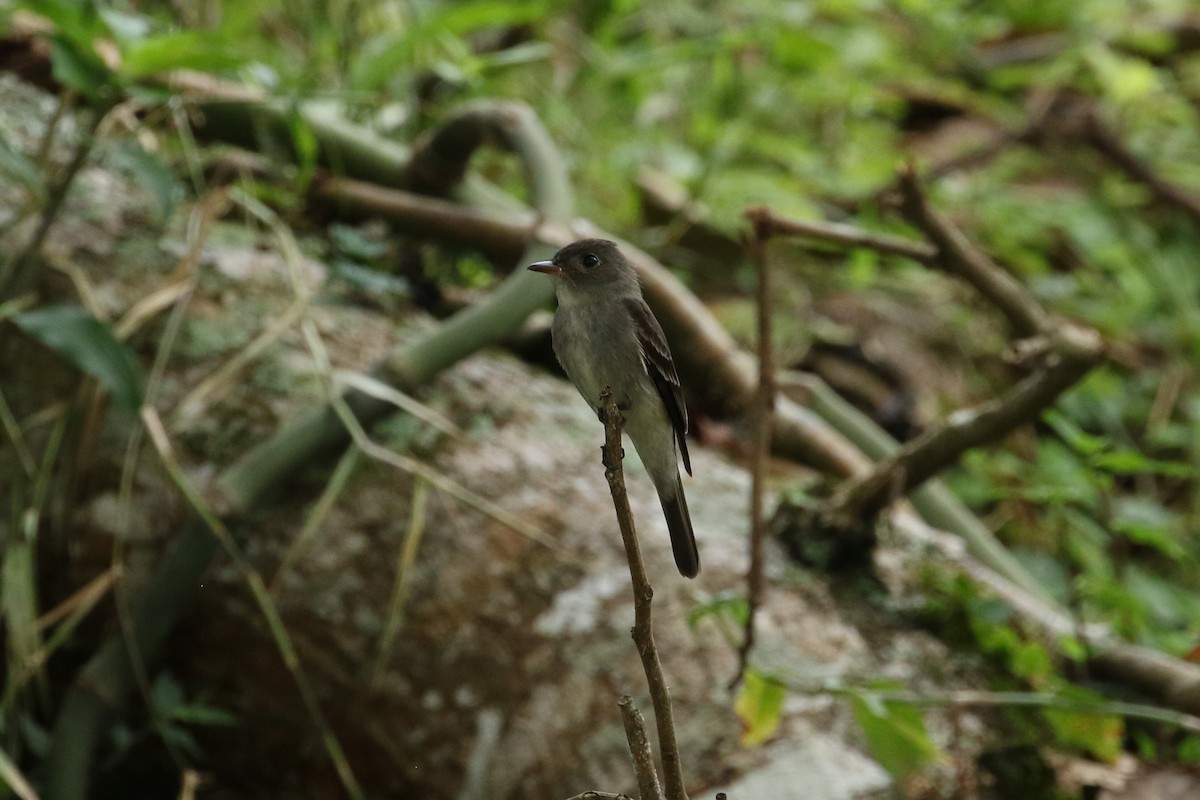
(808,107)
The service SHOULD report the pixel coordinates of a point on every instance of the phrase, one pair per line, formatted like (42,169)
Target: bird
(604,334)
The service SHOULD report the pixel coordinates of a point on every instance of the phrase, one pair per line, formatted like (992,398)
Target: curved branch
(504,235)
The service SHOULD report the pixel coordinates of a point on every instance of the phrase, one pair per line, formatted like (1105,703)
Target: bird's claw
(605,460)
(621,407)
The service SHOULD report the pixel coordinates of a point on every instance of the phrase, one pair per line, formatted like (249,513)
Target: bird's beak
(548,267)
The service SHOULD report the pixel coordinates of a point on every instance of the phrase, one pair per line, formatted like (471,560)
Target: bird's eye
(590,260)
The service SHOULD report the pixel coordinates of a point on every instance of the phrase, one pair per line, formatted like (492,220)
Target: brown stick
(768,223)
(926,456)
(1106,142)
(764,405)
(1072,352)
(1174,682)
(958,256)
(643,631)
(503,234)
(639,750)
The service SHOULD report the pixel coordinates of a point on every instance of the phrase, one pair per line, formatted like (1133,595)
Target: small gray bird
(605,335)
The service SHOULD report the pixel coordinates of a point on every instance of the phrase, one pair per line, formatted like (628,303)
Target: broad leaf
(15,165)
(759,706)
(895,734)
(89,344)
(152,175)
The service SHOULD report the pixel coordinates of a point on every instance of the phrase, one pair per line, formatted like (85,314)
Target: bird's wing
(656,357)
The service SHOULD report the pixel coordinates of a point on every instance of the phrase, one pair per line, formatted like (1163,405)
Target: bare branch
(958,256)
(504,234)
(1109,144)
(771,224)
(926,456)
(1070,352)
(764,408)
(639,750)
(643,593)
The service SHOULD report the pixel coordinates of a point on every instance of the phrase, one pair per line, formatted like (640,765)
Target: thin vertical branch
(643,631)
(639,750)
(763,413)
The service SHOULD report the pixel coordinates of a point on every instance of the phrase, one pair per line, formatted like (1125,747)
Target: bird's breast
(597,347)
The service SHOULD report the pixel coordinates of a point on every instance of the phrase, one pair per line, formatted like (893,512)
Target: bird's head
(589,262)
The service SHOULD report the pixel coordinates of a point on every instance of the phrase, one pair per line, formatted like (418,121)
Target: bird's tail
(679,523)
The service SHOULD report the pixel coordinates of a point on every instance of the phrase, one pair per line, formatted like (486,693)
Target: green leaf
(732,606)
(1146,522)
(1189,750)
(199,50)
(462,18)
(1097,734)
(1079,439)
(15,165)
(168,694)
(759,706)
(19,597)
(896,734)
(199,714)
(152,175)
(1131,462)
(89,344)
(79,68)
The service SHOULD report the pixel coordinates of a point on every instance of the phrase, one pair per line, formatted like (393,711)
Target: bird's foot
(604,459)
(622,407)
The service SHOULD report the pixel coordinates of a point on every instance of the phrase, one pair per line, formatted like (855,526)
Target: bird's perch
(643,632)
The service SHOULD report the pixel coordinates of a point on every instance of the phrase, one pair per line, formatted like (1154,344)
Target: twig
(1072,351)
(12,429)
(299,546)
(940,447)
(768,223)
(1105,140)
(958,256)
(362,440)
(643,632)
(496,233)
(12,777)
(764,406)
(1173,681)
(639,750)
(402,588)
(373,387)
(938,507)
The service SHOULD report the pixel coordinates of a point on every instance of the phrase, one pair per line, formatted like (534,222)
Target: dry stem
(764,406)
(643,631)
(639,750)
